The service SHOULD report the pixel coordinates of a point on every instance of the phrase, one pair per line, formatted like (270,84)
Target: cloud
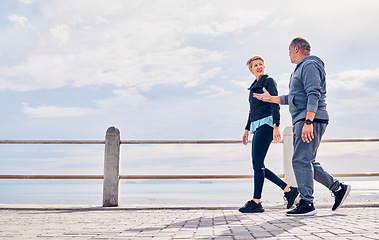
(56,111)
(39,71)
(215,91)
(125,97)
(203,77)
(111,44)
(27,2)
(282,22)
(61,33)
(241,84)
(358,79)
(235,22)
(18,20)
(95,47)
(112,66)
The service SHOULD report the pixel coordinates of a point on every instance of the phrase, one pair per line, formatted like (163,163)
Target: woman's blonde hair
(248,63)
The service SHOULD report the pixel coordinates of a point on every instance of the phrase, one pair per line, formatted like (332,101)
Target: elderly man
(307,105)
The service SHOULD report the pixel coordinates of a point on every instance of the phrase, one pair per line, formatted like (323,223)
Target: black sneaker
(251,207)
(340,196)
(291,196)
(302,209)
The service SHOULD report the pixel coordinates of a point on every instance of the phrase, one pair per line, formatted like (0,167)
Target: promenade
(352,221)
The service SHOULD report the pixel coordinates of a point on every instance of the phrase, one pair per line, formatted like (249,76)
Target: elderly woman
(263,122)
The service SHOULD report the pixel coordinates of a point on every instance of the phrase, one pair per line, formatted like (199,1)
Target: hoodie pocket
(297,104)
(291,100)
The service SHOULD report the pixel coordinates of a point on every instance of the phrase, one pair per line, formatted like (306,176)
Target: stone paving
(185,223)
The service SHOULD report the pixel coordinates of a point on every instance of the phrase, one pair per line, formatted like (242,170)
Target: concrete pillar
(111,168)
(289,175)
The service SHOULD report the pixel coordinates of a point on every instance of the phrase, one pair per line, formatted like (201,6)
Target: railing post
(111,168)
(289,175)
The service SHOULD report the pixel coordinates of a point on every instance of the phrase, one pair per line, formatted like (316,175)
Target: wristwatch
(308,122)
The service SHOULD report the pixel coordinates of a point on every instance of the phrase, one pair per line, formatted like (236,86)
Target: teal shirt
(260,122)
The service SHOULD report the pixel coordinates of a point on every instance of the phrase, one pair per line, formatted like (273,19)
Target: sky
(175,69)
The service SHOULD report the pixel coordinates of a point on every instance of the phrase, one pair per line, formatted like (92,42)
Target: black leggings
(261,142)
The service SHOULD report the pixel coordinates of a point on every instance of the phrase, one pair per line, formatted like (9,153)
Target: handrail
(164,176)
(350,140)
(180,141)
(138,142)
(52,142)
(121,142)
(231,141)
(51,176)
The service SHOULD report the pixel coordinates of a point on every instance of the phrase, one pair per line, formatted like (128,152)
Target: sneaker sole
(255,211)
(311,213)
(344,197)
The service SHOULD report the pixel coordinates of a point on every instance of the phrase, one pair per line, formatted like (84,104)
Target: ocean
(167,192)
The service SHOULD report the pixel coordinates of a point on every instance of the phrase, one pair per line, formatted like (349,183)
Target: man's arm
(307,132)
(310,115)
(312,86)
(266,97)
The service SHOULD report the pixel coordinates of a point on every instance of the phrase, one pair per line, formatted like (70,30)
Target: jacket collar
(310,58)
(258,84)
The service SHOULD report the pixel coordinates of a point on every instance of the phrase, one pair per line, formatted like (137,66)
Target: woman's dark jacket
(260,109)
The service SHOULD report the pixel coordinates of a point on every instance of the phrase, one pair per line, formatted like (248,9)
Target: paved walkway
(185,223)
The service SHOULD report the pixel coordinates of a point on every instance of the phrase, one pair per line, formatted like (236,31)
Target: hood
(313,59)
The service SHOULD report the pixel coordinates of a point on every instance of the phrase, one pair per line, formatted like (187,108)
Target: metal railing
(112,175)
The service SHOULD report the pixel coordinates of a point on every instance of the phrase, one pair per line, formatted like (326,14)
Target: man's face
(257,68)
(292,53)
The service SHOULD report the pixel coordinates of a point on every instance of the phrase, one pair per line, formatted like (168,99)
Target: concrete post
(289,175)
(111,168)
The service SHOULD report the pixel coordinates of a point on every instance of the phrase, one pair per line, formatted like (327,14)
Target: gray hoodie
(307,90)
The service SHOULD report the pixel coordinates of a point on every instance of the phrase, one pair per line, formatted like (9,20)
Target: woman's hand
(276,134)
(245,138)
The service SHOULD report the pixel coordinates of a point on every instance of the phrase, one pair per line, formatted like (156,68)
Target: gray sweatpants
(304,162)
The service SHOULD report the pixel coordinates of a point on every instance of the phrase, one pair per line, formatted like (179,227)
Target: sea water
(167,192)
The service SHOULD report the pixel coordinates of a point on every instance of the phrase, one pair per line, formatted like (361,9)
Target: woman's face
(258,68)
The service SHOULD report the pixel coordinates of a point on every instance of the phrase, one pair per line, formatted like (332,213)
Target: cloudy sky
(175,70)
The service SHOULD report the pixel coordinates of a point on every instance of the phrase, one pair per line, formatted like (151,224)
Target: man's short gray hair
(252,59)
(302,43)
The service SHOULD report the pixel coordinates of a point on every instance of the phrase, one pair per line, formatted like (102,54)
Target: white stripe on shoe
(311,213)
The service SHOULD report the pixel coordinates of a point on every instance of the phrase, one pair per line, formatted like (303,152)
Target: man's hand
(307,133)
(265,96)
